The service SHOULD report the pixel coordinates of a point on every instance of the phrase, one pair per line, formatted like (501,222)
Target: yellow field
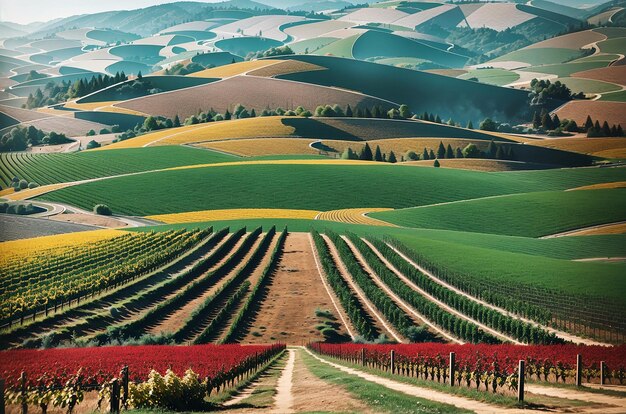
(355,216)
(619,228)
(262,146)
(234,214)
(56,112)
(601,147)
(281,162)
(285,67)
(23,249)
(233,69)
(618,184)
(270,126)
(33,192)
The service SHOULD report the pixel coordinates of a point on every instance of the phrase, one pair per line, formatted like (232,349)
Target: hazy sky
(27,11)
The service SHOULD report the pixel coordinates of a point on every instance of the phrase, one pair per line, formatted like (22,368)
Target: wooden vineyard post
(125,387)
(1,396)
(520,380)
(602,374)
(452,368)
(392,363)
(115,396)
(363,356)
(579,370)
(23,393)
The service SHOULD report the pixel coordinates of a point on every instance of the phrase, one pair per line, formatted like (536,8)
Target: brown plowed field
(612,74)
(252,92)
(284,68)
(287,313)
(612,112)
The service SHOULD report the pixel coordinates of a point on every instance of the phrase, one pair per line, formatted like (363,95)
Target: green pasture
(492,76)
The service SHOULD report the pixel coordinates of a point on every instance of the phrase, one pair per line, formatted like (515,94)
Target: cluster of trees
(54,93)
(22,184)
(367,155)
(18,208)
(274,51)
(594,130)
(182,69)
(542,92)
(20,138)
(136,88)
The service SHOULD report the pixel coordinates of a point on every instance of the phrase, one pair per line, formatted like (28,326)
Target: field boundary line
(283,400)
(328,290)
(563,335)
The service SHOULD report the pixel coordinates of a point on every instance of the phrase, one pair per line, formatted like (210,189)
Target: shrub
(23,184)
(91,133)
(4,207)
(411,155)
(104,131)
(93,144)
(169,392)
(103,210)
(436,164)
(33,185)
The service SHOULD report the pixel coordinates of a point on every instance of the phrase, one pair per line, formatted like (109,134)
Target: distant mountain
(146,21)
(318,6)
(9,29)
(580,3)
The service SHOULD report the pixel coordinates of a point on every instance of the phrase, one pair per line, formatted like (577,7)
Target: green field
(589,85)
(422,91)
(540,262)
(241,46)
(598,58)
(617,45)
(566,69)
(315,187)
(527,215)
(55,168)
(614,96)
(340,48)
(540,56)
(492,76)
(312,45)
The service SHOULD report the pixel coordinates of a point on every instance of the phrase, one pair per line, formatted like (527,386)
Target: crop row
(522,331)
(379,298)
(255,296)
(87,281)
(350,304)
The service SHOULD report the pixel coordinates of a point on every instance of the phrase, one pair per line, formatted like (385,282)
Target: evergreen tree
(606,129)
(470,125)
(436,164)
(620,131)
(458,153)
(437,119)
(252,113)
(425,155)
(425,116)
(441,150)
(431,155)
(392,158)
(176,123)
(614,131)
(431,118)
(588,123)
(227,115)
(349,113)
(556,122)
(546,122)
(596,126)
(378,155)
(449,152)
(366,153)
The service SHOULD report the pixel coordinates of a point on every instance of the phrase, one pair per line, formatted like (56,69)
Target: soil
(89,219)
(296,291)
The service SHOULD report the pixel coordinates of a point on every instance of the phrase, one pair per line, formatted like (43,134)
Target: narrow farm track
(345,320)
(418,315)
(619,404)
(93,307)
(374,314)
(420,392)
(563,335)
(443,305)
(178,318)
(283,400)
(582,230)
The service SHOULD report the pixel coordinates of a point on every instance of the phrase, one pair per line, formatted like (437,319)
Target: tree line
(21,137)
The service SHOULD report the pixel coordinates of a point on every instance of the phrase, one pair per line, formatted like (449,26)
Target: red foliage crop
(99,365)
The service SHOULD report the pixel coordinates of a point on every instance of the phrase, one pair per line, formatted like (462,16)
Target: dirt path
(431,325)
(312,393)
(445,306)
(178,317)
(564,335)
(283,400)
(582,230)
(573,394)
(287,313)
(420,392)
(369,306)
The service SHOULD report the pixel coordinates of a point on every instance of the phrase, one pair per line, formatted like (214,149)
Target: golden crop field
(262,146)
(618,184)
(355,216)
(619,228)
(233,69)
(610,147)
(32,192)
(234,214)
(270,126)
(89,106)
(22,249)
(473,164)
(285,67)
